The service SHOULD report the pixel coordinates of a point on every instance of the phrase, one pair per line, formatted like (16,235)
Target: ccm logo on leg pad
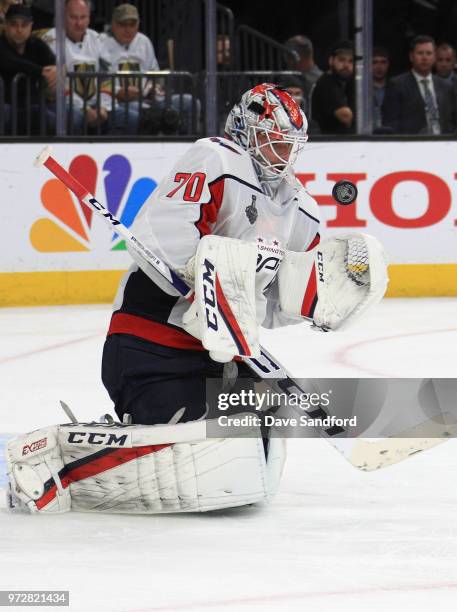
(96,437)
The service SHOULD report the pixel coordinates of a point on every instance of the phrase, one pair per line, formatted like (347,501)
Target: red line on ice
(280,597)
(341,356)
(44,349)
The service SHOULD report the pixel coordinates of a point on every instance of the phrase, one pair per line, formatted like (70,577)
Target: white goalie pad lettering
(223,314)
(139,469)
(335,282)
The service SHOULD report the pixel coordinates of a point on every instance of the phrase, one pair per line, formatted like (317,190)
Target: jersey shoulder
(37,43)
(91,35)
(197,160)
(49,36)
(232,159)
(105,37)
(142,39)
(106,41)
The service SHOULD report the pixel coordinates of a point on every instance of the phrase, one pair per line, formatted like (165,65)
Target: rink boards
(55,252)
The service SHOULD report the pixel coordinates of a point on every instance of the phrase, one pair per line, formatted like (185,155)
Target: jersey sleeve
(184,206)
(306,236)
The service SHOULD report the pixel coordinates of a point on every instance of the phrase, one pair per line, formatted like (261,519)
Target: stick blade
(376,454)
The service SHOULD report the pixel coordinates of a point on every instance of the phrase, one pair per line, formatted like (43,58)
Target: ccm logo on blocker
(209,295)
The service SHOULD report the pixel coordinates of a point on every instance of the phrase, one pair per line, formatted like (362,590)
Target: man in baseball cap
(18,11)
(22,53)
(125,22)
(125,12)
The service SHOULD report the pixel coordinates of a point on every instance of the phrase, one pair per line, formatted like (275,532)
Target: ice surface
(334,539)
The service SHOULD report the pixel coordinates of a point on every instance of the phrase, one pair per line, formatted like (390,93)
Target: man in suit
(417,102)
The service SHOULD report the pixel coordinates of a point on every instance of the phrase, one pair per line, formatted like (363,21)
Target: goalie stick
(362,453)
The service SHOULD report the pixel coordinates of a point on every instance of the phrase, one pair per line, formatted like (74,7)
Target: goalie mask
(270,126)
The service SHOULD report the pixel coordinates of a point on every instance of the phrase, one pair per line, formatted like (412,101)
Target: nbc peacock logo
(68,226)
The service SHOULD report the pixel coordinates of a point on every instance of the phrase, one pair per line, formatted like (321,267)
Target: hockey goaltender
(231,219)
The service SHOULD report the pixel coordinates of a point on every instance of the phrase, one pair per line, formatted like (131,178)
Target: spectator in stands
(5,110)
(445,64)
(333,94)
(294,86)
(417,102)
(224,52)
(303,46)
(82,54)
(20,53)
(125,48)
(4,6)
(380,65)
(310,72)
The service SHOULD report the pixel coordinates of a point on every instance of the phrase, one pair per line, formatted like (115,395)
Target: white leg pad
(34,463)
(143,469)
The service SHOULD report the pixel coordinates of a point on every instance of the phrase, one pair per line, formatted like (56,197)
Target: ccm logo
(34,446)
(209,295)
(96,204)
(94,437)
(320,266)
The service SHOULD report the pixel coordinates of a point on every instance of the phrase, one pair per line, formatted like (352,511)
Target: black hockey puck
(344,192)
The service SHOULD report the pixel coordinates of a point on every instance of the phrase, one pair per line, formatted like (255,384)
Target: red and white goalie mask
(270,126)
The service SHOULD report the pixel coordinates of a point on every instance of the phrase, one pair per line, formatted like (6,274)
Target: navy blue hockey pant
(152,382)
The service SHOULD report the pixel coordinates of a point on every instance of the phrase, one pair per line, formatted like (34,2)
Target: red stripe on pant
(123,323)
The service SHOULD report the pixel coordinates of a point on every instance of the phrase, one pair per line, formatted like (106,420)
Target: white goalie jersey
(212,189)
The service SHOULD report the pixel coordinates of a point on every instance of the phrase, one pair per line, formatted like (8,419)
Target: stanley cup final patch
(251,211)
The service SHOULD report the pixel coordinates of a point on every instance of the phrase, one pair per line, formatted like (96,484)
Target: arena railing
(28,114)
(167,106)
(256,51)
(225,43)
(166,103)
(31,109)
